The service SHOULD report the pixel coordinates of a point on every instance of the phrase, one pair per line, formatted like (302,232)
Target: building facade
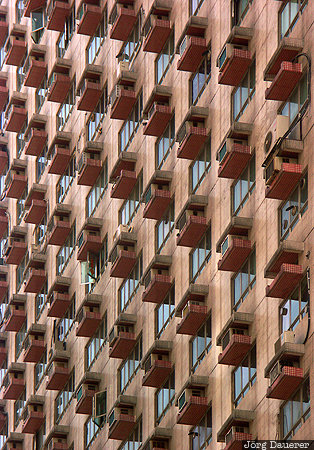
(156,223)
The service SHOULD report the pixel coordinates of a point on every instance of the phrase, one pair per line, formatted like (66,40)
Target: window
(66,251)
(294,105)
(164,59)
(244,377)
(201,434)
(40,370)
(130,286)
(295,307)
(132,204)
(97,191)
(240,8)
(135,439)
(243,281)
(289,15)
(19,10)
(67,322)
(20,206)
(19,339)
(92,270)
(64,398)
(164,144)
(40,437)
(94,122)
(164,228)
(91,430)
(18,408)
(295,411)
(96,344)
(41,163)
(40,94)
(200,167)
(243,94)
(164,398)
(94,45)
(130,48)
(243,187)
(65,109)
(130,366)
(201,344)
(195,6)
(130,126)
(293,209)
(200,78)
(39,20)
(65,181)
(65,37)
(41,301)
(164,313)
(200,256)
(20,273)
(40,231)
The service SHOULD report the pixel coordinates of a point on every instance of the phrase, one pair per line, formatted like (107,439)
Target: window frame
(250,286)
(68,247)
(296,292)
(134,199)
(99,335)
(168,135)
(65,109)
(196,10)
(168,385)
(207,61)
(238,181)
(100,184)
(207,324)
(301,5)
(167,49)
(251,378)
(68,176)
(195,431)
(167,219)
(206,150)
(132,370)
(198,247)
(70,389)
(250,92)
(127,130)
(169,300)
(133,287)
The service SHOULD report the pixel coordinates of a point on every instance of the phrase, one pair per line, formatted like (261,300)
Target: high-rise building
(156,223)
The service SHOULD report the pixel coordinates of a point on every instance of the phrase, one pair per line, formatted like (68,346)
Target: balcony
(16,50)
(14,250)
(157,196)
(156,279)
(89,319)
(34,343)
(191,401)
(286,280)
(125,163)
(285,52)
(122,337)
(16,116)
(156,364)
(234,252)
(60,157)
(233,157)
(58,374)
(89,87)
(235,339)
(4,27)
(192,309)
(33,414)
(191,229)
(88,16)
(35,141)
(124,184)
(88,169)
(281,178)
(14,441)
(284,82)
(13,383)
(121,418)
(33,5)
(57,12)
(35,205)
(15,314)
(157,29)
(122,18)
(85,393)
(3,349)
(3,223)
(59,226)
(4,285)
(4,93)
(192,134)
(236,429)
(58,87)
(191,50)
(158,118)
(122,100)
(89,239)
(287,253)
(284,381)
(123,262)
(34,280)
(59,304)
(35,68)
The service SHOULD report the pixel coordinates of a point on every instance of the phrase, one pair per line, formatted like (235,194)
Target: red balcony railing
(287,279)
(192,49)
(193,316)
(156,375)
(123,264)
(158,118)
(235,255)
(235,350)
(192,231)
(193,411)
(123,345)
(284,82)
(89,17)
(59,304)
(124,184)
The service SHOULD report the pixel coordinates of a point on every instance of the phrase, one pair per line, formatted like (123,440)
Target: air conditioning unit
(226,54)
(186,395)
(274,166)
(232,433)
(231,331)
(227,147)
(277,130)
(286,337)
(121,229)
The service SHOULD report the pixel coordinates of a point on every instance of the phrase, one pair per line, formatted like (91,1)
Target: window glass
(130,126)
(199,168)
(64,398)
(164,398)
(164,59)
(200,256)
(200,78)
(289,15)
(244,376)
(164,228)
(130,366)
(66,251)
(131,205)
(295,411)
(242,283)
(97,191)
(164,312)
(130,285)
(201,434)
(200,344)
(95,346)
(243,93)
